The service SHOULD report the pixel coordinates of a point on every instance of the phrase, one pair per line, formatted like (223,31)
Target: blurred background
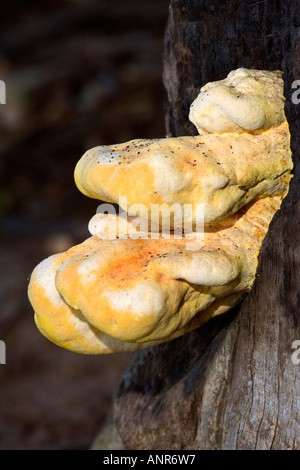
(78,74)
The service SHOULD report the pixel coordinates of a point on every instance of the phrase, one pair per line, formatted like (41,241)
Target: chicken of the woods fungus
(127,288)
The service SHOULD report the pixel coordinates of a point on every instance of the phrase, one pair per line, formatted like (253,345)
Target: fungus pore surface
(193,212)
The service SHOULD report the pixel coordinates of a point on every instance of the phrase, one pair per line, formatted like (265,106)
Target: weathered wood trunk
(230,384)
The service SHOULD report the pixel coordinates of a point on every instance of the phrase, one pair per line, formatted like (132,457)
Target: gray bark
(231,384)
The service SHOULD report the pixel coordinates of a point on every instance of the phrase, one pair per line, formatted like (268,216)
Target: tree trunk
(232,383)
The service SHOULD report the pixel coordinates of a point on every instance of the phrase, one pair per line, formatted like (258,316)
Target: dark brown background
(78,74)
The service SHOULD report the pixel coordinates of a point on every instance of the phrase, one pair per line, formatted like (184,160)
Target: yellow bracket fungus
(125,289)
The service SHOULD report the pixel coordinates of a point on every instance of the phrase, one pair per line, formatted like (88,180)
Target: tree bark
(231,384)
